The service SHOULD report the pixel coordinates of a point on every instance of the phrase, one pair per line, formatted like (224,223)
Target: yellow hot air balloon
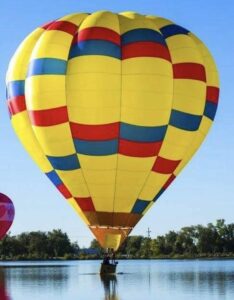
(112,107)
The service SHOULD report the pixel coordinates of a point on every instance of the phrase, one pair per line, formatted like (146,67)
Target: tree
(95,245)
(58,243)
(75,248)
(132,245)
(38,244)
(187,240)
(161,245)
(170,240)
(10,247)
(229,238)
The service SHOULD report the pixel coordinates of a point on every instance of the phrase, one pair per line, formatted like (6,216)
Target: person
(113,256)
(106,259)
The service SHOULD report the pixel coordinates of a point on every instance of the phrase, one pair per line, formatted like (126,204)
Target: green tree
(132,246)
(187,239)
(161,245)
(95,245)
(38,244)
(75,248)
(145,250)
(229,239)
(207,237)
(58,243)
(10,247)
(170,240)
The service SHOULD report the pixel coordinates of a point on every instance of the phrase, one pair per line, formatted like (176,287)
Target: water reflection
(110,287)
(3,287)
(215,282)
(144,279)
(52,279)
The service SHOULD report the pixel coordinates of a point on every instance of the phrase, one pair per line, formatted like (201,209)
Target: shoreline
(61,259)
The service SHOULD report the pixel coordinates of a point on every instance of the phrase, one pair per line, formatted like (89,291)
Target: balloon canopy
(7,213)
(112,107)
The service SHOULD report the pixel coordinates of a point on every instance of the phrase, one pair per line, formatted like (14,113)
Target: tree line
(38,245)
(192,241)
(213,240)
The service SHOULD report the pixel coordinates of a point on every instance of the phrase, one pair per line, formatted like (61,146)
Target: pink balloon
(7,213)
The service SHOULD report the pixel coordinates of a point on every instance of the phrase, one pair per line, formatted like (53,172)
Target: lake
(136,280)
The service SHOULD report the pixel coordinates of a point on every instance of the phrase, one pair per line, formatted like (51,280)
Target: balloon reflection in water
(110,287)
(3,287)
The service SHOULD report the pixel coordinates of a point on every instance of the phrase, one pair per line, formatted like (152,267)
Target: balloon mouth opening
(110,237)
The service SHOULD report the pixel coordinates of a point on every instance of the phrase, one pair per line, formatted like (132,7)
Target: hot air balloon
(112,107)
(7,213)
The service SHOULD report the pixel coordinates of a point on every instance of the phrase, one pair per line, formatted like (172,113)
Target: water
(136,280)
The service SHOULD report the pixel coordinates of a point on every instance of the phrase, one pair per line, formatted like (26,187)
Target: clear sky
(203,192)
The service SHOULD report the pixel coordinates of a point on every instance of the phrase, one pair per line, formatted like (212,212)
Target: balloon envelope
(112,107)
(7,213)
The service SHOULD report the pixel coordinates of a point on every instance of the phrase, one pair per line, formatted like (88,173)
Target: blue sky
(204,190)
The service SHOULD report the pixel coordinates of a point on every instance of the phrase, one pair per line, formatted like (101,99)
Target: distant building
(89,251)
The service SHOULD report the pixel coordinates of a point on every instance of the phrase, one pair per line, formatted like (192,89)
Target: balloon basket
(108,268)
